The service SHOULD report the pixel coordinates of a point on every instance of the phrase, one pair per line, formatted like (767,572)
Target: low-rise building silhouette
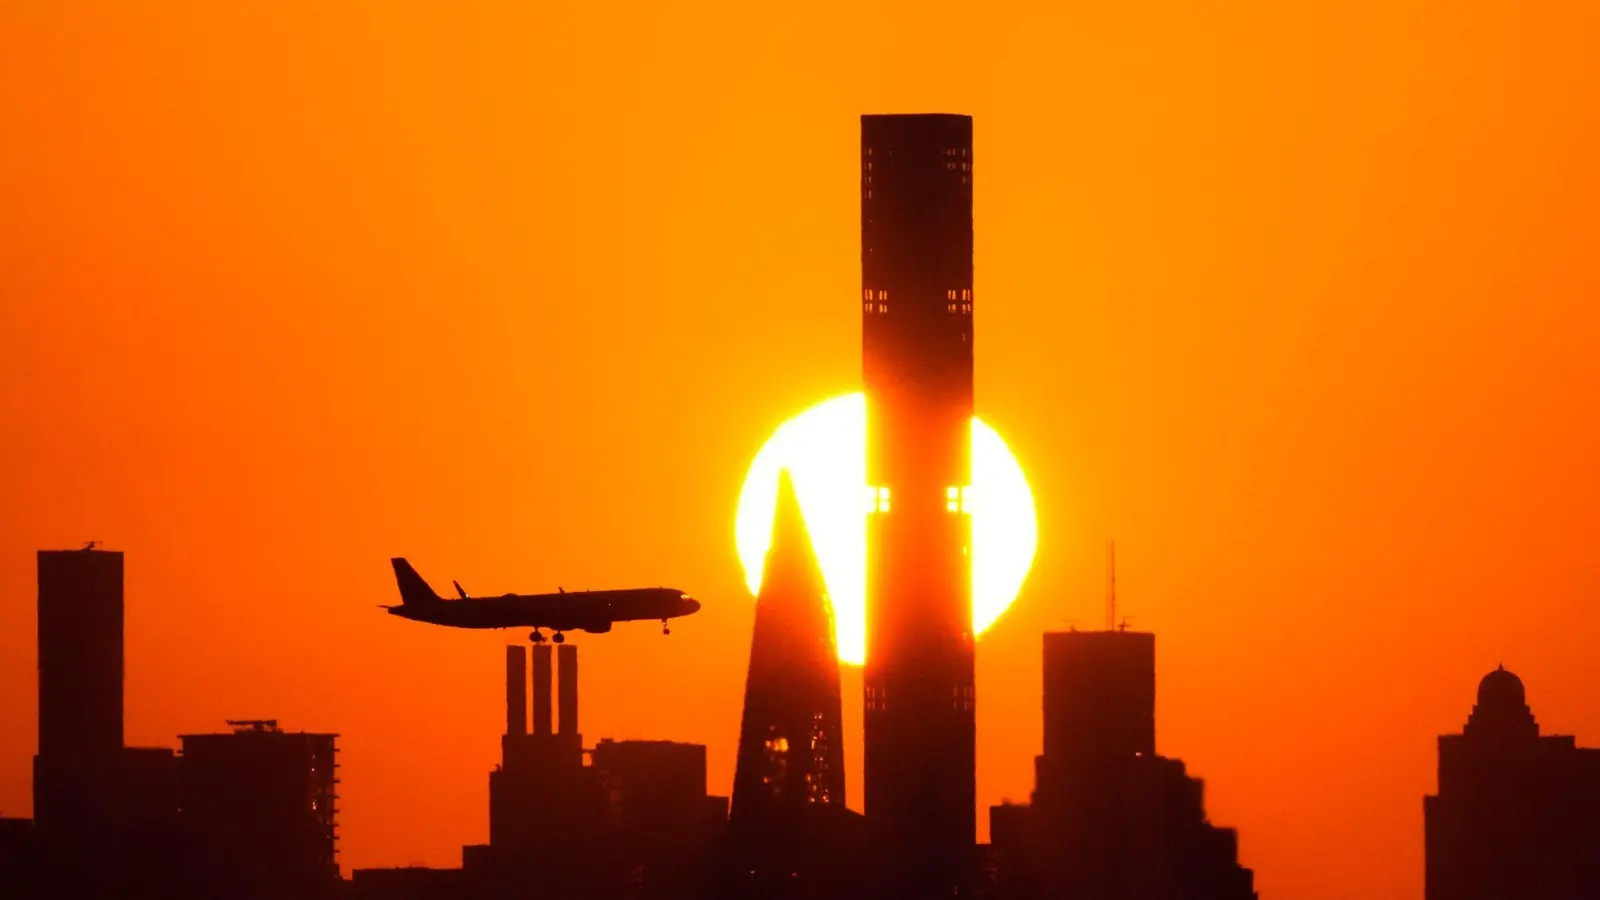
(1517,813)
(258,808)
(624,820)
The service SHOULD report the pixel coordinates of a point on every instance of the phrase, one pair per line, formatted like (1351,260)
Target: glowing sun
(824,449)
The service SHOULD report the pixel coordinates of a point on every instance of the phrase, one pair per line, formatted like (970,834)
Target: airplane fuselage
(575,611)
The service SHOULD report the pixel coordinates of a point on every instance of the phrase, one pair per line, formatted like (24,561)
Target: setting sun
(824,450)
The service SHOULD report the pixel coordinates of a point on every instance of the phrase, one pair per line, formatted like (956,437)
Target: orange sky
(1296,303)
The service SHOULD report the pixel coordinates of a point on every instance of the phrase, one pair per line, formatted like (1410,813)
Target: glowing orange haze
(1298,305)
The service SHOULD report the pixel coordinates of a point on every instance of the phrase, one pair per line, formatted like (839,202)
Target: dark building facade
(1100,696)
(917,341)
(664,825)
(105,815)
(80,691)
(789,831)
(1110,818)
(258,808)
(1517,813)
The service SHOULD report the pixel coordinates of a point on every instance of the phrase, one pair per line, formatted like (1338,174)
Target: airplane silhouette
(591,611)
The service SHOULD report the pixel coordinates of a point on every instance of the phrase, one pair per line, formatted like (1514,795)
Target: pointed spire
(791,559)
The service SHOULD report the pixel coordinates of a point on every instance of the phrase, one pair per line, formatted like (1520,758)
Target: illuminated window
(866,293)
(955,499)
(880,500)
(883,295)
(866,308)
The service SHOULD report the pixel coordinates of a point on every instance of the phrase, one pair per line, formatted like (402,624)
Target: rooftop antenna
(90,545)
(1111,585)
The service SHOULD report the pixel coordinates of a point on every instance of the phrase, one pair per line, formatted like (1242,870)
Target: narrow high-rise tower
(80,688)
(917,303)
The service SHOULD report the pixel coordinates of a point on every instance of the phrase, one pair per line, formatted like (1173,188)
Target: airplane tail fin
(413,590)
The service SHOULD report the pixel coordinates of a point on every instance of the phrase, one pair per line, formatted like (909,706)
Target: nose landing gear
(664,628)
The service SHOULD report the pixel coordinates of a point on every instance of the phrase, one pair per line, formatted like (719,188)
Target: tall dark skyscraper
(788,816)
(80,653)
(80,689)
(917,339)
(1518,812)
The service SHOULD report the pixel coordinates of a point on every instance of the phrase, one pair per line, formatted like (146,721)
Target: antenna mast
(1111,585)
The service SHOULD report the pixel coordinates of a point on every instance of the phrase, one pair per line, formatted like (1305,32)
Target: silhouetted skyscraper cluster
(250,814)
(241,815)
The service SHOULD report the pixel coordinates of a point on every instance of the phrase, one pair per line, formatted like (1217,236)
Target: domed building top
(1502,710)
(1502,689)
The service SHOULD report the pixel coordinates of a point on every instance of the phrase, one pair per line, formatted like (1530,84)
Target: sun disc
(824,449)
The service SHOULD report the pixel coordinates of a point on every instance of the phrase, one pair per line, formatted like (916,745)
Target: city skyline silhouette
(1313,349)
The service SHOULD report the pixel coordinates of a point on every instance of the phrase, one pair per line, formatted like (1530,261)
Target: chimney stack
(516,690)
(541,689)
(567,663)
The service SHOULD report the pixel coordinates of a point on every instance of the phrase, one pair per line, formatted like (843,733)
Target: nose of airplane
(693,605)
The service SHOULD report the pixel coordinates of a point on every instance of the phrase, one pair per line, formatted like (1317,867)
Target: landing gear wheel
(537,637)
(664,628)
(559,638)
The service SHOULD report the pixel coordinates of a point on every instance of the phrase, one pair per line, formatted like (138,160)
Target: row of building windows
(870,308)
(963,698)
(953,151)
(954,294)
(964,167)
(956,499)
(870,294)
(958,307)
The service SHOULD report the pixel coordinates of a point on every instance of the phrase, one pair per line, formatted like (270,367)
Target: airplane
(591,611)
